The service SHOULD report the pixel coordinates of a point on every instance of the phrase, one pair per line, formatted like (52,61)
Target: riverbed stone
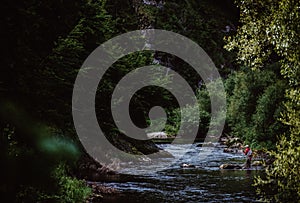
(230,150)
(257,163)
(185,165)
(157,135)
(230,166)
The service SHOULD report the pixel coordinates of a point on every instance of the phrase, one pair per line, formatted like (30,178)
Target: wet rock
(231,142)
(230,166)
(257,163)
(263,156)
(224,140)
(230,150)
(184,165)
(95,198)
(234,144)
(206,144)
(99,191)
(237,145)
(234,141)
(157,135)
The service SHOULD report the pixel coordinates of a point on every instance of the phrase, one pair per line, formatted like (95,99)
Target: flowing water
(204,183)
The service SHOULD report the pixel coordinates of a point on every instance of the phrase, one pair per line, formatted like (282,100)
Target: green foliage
(28,177)
(202,22)
(270,33)
(254,106)
(191,117)
(65,189)
(282,178)
(29,153)
(268,111)
(70,189)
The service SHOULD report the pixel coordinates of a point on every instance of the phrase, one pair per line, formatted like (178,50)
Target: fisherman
(248,153)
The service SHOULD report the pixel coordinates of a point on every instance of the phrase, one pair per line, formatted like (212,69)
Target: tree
(255,103)
(270,33)
(45,44)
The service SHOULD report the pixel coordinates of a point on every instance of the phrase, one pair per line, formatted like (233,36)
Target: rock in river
(184,165)
(154,135)
(230,166)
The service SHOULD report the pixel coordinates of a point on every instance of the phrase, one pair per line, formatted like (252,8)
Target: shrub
(70,189)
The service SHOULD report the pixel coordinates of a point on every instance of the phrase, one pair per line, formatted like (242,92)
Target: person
(248,153)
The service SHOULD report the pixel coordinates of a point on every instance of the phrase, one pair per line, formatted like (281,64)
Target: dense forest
(253,44)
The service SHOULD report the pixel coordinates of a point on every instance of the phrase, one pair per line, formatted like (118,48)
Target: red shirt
(247,150)
(246,153)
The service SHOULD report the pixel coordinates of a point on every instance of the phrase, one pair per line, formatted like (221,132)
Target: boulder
(230,150)
(237,145)
(224,140)
(157,135)
(233,141)
(184,165)
(206,144)
(257,163)
(230,166)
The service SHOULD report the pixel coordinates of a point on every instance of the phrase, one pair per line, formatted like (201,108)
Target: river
(204,183)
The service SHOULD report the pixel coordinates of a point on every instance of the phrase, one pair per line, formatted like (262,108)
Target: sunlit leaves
(273,26)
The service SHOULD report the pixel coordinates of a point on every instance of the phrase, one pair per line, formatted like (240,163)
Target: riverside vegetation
(254,45)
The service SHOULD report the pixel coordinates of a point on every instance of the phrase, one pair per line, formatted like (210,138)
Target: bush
(281,183)
(70,189)
(254,106)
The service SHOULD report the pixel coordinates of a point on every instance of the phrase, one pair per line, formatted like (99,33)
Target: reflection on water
(205,183)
